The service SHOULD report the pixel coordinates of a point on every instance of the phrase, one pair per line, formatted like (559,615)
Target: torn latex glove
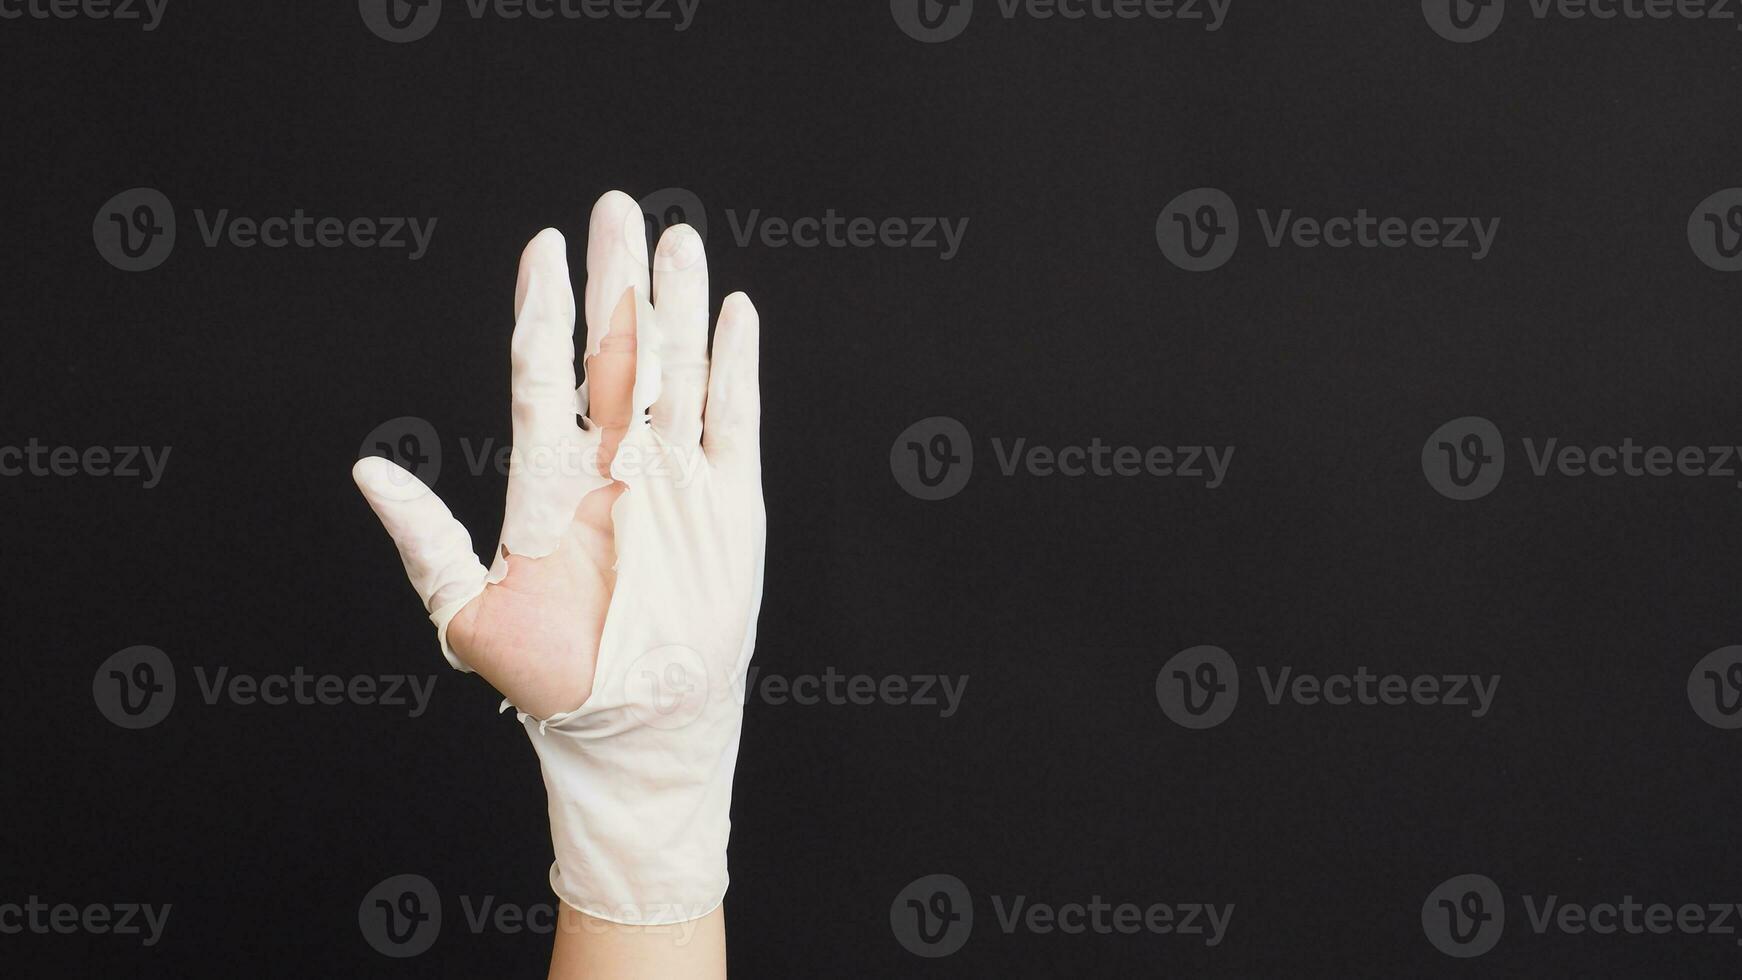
(619,611)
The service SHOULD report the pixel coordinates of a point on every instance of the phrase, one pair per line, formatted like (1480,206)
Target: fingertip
(613,198)
(609,209)
(548,248)
(382,479)
(365,471)
(548,238)
(680,240)
(734,398)
(675,238)
(546,253)
(739,319)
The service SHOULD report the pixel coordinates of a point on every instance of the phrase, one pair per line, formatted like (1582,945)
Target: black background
(1060,321)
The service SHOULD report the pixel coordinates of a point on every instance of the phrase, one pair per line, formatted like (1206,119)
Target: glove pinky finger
(734,411)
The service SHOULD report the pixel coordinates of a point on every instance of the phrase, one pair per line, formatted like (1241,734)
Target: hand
(532,625)
(619,611)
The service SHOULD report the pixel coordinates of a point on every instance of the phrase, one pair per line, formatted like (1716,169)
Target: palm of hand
(535,635)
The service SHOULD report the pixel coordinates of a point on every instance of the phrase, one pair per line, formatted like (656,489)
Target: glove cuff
(639,823)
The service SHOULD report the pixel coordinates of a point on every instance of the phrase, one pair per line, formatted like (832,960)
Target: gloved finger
(734,412)
(611,379)
(544,343)
(616,263)
(433,546)
(680,295)
(544,464)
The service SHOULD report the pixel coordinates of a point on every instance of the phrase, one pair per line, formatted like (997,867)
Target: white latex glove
(619,613)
